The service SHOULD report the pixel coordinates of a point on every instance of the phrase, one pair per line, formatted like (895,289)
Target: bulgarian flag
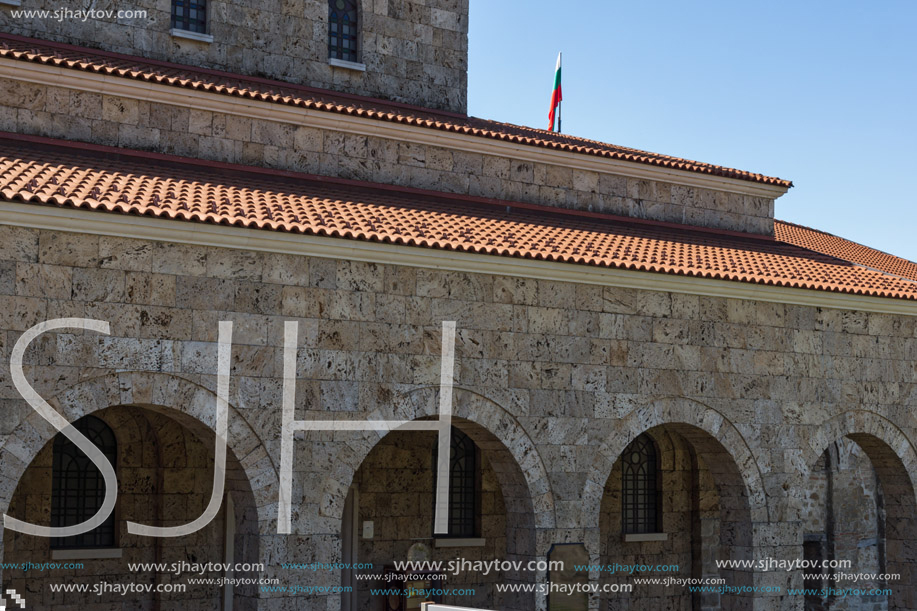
(556,97)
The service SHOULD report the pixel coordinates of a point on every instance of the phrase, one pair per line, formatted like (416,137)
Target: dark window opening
(640,487)
(343,30)
(464,485)
(190,15)
(77,486)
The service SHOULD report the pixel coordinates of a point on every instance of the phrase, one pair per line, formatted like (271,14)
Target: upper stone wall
(29,108)
(414,52)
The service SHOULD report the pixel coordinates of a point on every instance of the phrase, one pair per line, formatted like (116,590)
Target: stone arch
(517,448)
(165,431)
(858,423)
(730,471)
(894,461)
(518,468)
(674,411)
(184,400)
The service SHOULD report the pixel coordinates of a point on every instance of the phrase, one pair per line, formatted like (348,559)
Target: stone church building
(649,368)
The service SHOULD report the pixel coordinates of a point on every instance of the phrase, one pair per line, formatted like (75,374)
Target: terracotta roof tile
(91,60)
(57,173)
(825,243)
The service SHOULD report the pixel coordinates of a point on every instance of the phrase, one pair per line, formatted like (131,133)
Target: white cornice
(201,234)
(192,98)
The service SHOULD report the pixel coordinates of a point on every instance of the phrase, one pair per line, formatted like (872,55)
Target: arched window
(343,30)
(464,485)
(77,486)
(640,486)
(189,15)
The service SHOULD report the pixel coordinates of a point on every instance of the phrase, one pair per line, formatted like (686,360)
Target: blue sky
(820,93)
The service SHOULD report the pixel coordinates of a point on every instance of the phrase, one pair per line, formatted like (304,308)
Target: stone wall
(29,108)
(414,52)
(562,375)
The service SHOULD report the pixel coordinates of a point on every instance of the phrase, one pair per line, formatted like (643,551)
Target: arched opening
(674,504)
(860,522)
(393,495)
(164,464)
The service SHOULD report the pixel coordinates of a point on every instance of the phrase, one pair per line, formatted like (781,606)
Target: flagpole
(560,102)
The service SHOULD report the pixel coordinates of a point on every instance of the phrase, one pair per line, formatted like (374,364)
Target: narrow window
(464,485)
(343,30)
(77,486)
(640,486)
(190,15)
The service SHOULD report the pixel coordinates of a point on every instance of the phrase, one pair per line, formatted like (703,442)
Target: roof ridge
(599,143)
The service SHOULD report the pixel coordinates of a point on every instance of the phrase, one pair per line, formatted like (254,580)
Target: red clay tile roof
(828,244)
(113,64)
(57,173)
